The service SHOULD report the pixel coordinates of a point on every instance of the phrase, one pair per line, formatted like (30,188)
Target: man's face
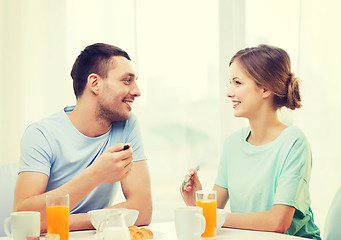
(117,91)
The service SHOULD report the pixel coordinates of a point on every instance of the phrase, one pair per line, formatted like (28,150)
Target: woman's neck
(265,129)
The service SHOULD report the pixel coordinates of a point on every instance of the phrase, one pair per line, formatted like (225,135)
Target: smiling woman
(265,168)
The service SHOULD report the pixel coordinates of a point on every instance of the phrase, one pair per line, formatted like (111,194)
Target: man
(80,150)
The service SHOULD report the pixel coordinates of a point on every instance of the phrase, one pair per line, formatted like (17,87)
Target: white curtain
(320,117)
(178,58)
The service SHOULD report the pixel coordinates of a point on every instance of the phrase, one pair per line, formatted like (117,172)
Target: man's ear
(93,83)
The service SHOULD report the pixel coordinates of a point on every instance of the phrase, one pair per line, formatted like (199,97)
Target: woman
(265,168)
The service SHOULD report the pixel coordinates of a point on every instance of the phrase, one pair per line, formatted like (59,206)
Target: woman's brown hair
(270,67)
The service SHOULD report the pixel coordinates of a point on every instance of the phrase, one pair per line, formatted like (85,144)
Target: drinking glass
(57,213)
(207,199)
(52,237)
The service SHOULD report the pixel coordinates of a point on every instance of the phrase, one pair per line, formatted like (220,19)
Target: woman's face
(245,94)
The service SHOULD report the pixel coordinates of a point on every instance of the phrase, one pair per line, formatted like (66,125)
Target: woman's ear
(266,93)
(93,83)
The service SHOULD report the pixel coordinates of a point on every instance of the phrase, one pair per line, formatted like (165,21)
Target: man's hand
(113,165)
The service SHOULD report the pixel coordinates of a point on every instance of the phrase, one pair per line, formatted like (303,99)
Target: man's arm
(112,166)
(30,192)
(137,191)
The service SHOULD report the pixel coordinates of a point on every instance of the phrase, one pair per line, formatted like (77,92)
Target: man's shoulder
(50,123)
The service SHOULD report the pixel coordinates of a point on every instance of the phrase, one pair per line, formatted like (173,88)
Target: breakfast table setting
(201,222)
(167,231)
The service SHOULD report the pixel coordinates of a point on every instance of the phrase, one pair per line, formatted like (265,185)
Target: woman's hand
(188,190)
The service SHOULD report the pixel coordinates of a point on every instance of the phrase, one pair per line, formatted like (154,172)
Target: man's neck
(84,120)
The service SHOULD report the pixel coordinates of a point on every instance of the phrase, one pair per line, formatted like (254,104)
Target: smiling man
(80,150)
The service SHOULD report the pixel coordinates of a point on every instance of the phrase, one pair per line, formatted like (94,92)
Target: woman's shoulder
(294,136)
(294,132)
(239,134)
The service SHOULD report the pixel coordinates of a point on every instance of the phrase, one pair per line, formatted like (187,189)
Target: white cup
(189,223)
(23,224)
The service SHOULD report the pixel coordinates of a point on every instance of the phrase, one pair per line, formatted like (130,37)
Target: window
(177,59)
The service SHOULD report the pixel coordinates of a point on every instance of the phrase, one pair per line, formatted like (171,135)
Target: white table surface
(166,231)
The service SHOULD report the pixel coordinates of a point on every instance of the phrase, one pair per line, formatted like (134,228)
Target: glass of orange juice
(57,215)
(207,199)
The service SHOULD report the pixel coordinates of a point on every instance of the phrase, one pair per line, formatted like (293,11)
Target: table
(166,231)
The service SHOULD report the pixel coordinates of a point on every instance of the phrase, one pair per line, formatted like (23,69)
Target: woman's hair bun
(293,95)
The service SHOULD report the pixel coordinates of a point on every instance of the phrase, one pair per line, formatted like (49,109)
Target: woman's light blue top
(257,177)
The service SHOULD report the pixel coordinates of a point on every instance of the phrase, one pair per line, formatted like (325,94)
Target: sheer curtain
(32,67)
(177,43)
(320,70)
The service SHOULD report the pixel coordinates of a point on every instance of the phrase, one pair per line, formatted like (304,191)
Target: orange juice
(209,208)
(58,221)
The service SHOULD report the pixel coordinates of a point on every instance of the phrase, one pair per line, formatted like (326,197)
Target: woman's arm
(278,219)
(222,196)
